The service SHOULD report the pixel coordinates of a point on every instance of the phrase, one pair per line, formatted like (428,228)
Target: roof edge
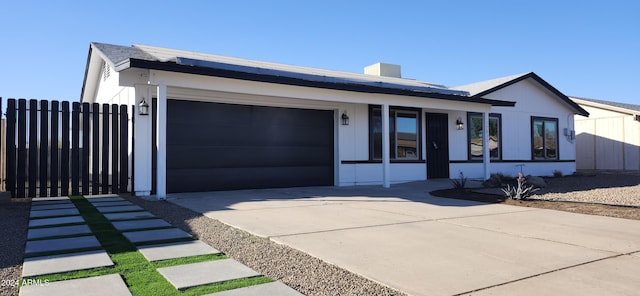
(604,106)
(578,110)
(261,77)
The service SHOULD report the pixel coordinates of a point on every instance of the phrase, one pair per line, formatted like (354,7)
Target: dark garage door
(213,146)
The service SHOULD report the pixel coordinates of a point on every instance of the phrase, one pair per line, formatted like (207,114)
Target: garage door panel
(206,157)
(215,146)
(258,135)
(261,177)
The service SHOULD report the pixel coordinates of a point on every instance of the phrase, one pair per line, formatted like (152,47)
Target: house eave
(258,77)
(565,99)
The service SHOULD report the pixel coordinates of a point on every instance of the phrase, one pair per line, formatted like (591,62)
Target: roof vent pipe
(383,69)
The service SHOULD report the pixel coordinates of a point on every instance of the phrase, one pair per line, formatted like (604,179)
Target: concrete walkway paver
(65,262)
(155,235)
(55,212)
(61,244)
(107,285)
(423,245)
(58,231)
(112,203)
(190,275)
(128,216)
(274,288)
(66,205)
(116,209)
(140,224)
(55,221)
(176,250)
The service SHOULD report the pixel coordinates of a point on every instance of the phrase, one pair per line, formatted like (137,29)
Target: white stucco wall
(532,99)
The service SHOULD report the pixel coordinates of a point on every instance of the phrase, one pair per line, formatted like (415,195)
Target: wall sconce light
(345,118)
(459,124)
(143,107)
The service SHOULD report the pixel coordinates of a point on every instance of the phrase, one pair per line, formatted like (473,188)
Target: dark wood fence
(62,148)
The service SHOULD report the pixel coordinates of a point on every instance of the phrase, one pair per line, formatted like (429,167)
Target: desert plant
(557,173)
(460,182)
(521,191)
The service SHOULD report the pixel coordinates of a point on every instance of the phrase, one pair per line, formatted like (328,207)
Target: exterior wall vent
(106,71)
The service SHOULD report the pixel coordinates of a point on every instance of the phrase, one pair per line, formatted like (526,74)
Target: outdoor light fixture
(345,118)
(459,124)
(143,107)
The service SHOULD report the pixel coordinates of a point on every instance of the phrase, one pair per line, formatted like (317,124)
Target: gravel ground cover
(603,188)
(14,218)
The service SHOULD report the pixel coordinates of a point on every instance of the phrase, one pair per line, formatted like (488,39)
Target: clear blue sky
(584,48)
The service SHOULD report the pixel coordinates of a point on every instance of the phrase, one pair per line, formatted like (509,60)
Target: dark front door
(437,145)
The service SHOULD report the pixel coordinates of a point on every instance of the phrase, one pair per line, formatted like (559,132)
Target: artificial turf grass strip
(140,275)
(227,285)
(188,260)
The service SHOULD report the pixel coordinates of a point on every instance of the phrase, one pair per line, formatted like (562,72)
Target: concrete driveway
(422,245)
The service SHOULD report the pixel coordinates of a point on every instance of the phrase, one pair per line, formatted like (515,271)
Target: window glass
(538,140)
(475,121)
(407,135)
(403,134)
(544,138)
(550,139)
(376,133)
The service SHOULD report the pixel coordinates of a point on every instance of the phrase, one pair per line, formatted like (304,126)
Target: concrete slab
(53,213)
(155,235)
(140,224)
(438,246)
(615,276)
(65,262)
(55,221)
(596,232)
(274,288)
(176,250)
(111,203)
(106,285)
(57,231)
(60,244)
(190,275)
(50,199)
(65,205)
(128,216)
(439,258)
(275,212)
(118,209)
(284,221)
(95,199)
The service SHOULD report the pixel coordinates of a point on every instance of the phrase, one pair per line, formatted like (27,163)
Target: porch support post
(386,168)
(161,142)
(486,158)
(142,130)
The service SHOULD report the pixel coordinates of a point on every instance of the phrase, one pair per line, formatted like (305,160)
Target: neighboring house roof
(608,105)
(483,88)
(157,58)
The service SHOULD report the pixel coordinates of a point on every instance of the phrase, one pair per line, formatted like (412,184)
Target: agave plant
(460,182)
(521,191)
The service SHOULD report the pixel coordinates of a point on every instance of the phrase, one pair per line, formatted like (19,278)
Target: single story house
(224,123)
(610,138)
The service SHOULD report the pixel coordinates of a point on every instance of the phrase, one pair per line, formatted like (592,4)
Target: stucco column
(486,158)
(142,130)
(386,167)
(161,142)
